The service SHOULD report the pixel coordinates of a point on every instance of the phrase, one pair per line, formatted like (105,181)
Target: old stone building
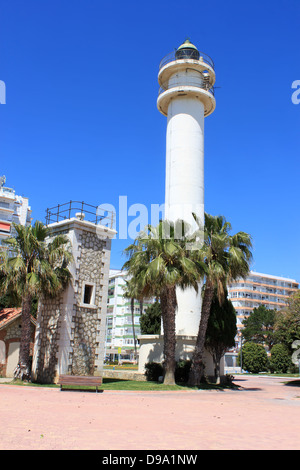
(70,332)
(10,337)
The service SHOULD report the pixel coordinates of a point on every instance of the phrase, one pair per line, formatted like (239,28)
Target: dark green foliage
(154,370)
(221,330)
(182,370)
(150,321)
(259,326)
(287,327)
(11,300)
(254,358)
(280,358)
(221,327)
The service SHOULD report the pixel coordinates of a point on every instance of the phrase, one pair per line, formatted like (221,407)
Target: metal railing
(68,210)
(204,86)
(7,192)
(171,58)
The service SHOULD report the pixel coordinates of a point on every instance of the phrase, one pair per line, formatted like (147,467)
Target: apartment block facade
(119,328)
(13,209)
(246,294)
(260,289)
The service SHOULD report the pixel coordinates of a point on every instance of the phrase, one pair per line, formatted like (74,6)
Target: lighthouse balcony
(190,88)
(201,57)
(173,64)
(187,84)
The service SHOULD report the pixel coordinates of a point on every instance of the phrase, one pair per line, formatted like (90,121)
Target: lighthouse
(186,96)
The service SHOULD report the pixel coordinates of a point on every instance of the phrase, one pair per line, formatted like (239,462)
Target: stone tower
(70,333)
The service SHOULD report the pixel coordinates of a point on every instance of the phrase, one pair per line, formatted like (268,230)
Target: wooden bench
(79,380)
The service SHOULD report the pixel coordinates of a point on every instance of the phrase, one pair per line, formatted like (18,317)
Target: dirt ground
(264,414)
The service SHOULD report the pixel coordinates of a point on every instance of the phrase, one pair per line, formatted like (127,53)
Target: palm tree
(132,293)
(227,257)
(35,268)
(158,263)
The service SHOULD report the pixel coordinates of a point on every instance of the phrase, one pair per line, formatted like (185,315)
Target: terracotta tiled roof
(7,315)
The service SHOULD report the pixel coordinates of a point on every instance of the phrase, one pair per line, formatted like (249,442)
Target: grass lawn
(130,385)
(133,385)
(120,367)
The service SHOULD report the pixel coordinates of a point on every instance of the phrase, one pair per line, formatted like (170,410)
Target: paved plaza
(263,414)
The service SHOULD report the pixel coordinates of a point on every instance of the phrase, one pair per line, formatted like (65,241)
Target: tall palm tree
(131,292)
(227,257)
(158,263)
(35,268)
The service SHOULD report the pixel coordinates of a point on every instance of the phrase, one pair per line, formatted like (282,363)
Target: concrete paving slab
(264,414)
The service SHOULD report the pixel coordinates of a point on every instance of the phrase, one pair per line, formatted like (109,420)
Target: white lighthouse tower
(186,96)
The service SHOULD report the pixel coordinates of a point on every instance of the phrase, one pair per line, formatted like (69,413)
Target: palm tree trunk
(22,370)
(168,306)
(197,366)
(217,373)
(133,329)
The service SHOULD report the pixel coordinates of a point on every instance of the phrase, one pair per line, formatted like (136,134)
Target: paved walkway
(264,415)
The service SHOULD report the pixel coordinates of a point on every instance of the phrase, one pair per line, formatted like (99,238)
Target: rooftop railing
(68,210)
(7,192)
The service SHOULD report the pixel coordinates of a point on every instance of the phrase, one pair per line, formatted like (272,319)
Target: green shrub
(254,358)
(280,358)
(182,370)
(153,371)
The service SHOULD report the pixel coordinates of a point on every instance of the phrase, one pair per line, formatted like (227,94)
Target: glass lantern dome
(187,50)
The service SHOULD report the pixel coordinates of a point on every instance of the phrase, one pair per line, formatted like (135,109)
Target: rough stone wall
(87,319)
(48,320)
(13,331)
(83,343)
(11,334)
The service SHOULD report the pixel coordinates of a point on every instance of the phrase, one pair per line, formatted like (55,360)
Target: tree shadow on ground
(246,389)
(157,385)
(293,383)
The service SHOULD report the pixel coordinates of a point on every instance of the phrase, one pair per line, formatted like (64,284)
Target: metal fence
(94,214)
(166,86)
(171,57)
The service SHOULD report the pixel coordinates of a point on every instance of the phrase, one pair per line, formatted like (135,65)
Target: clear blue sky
(80,120)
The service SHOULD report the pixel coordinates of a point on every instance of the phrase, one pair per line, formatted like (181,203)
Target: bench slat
(79,380)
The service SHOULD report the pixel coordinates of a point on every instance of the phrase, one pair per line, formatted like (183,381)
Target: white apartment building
(119,329)
(260,289)
(257,289)
(13,209)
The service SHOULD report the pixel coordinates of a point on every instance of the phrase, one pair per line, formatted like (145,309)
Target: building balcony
(7,193)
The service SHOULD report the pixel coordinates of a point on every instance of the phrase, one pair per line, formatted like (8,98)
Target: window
(88,291)
(88,295)
(111,290)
